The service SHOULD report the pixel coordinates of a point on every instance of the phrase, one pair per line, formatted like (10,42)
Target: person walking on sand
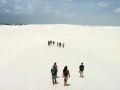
(57,44)
(81,69)
(63,45)
(60,44)
(56,68)
(53,72)
(53,43)
(66,74)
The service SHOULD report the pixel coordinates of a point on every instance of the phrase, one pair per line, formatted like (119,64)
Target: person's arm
(51,70)
(57,68)
(68,73)
(63,74)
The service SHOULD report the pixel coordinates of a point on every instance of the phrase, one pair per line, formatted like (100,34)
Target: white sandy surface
(26,60)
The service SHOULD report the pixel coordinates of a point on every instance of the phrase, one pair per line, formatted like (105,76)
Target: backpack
(53,71)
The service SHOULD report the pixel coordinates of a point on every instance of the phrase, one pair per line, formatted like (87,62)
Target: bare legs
(81,74)
(65,81)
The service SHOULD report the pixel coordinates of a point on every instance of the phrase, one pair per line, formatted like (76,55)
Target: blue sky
(84,12)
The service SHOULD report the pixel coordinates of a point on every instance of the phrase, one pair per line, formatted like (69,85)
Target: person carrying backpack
(66,74)
(56,68)
(53,72)
(81,69)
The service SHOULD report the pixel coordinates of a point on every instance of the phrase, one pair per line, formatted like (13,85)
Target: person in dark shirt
(56,68)
(66,74)
(53,43)
(53,72)
(81,69)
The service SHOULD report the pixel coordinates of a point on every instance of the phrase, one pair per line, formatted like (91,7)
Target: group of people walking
(58,44)
(66,73)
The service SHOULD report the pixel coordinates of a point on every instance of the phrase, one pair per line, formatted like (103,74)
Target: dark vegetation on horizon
(19,24)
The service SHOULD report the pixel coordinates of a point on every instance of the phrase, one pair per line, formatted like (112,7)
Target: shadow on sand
(67,85)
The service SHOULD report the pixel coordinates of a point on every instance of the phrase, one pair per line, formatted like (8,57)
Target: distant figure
(53,72)
(57,44)
(60,44)
(53,43)
(66,74)
(56,68)
(81,69)
(49,42)
(63,45)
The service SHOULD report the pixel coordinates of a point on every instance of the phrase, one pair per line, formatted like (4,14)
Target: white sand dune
(26,60)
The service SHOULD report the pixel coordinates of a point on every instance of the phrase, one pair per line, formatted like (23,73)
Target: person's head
(65,68)
(55,63)
(82,63)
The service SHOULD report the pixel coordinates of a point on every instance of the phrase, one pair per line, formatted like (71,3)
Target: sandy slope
(26,60)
